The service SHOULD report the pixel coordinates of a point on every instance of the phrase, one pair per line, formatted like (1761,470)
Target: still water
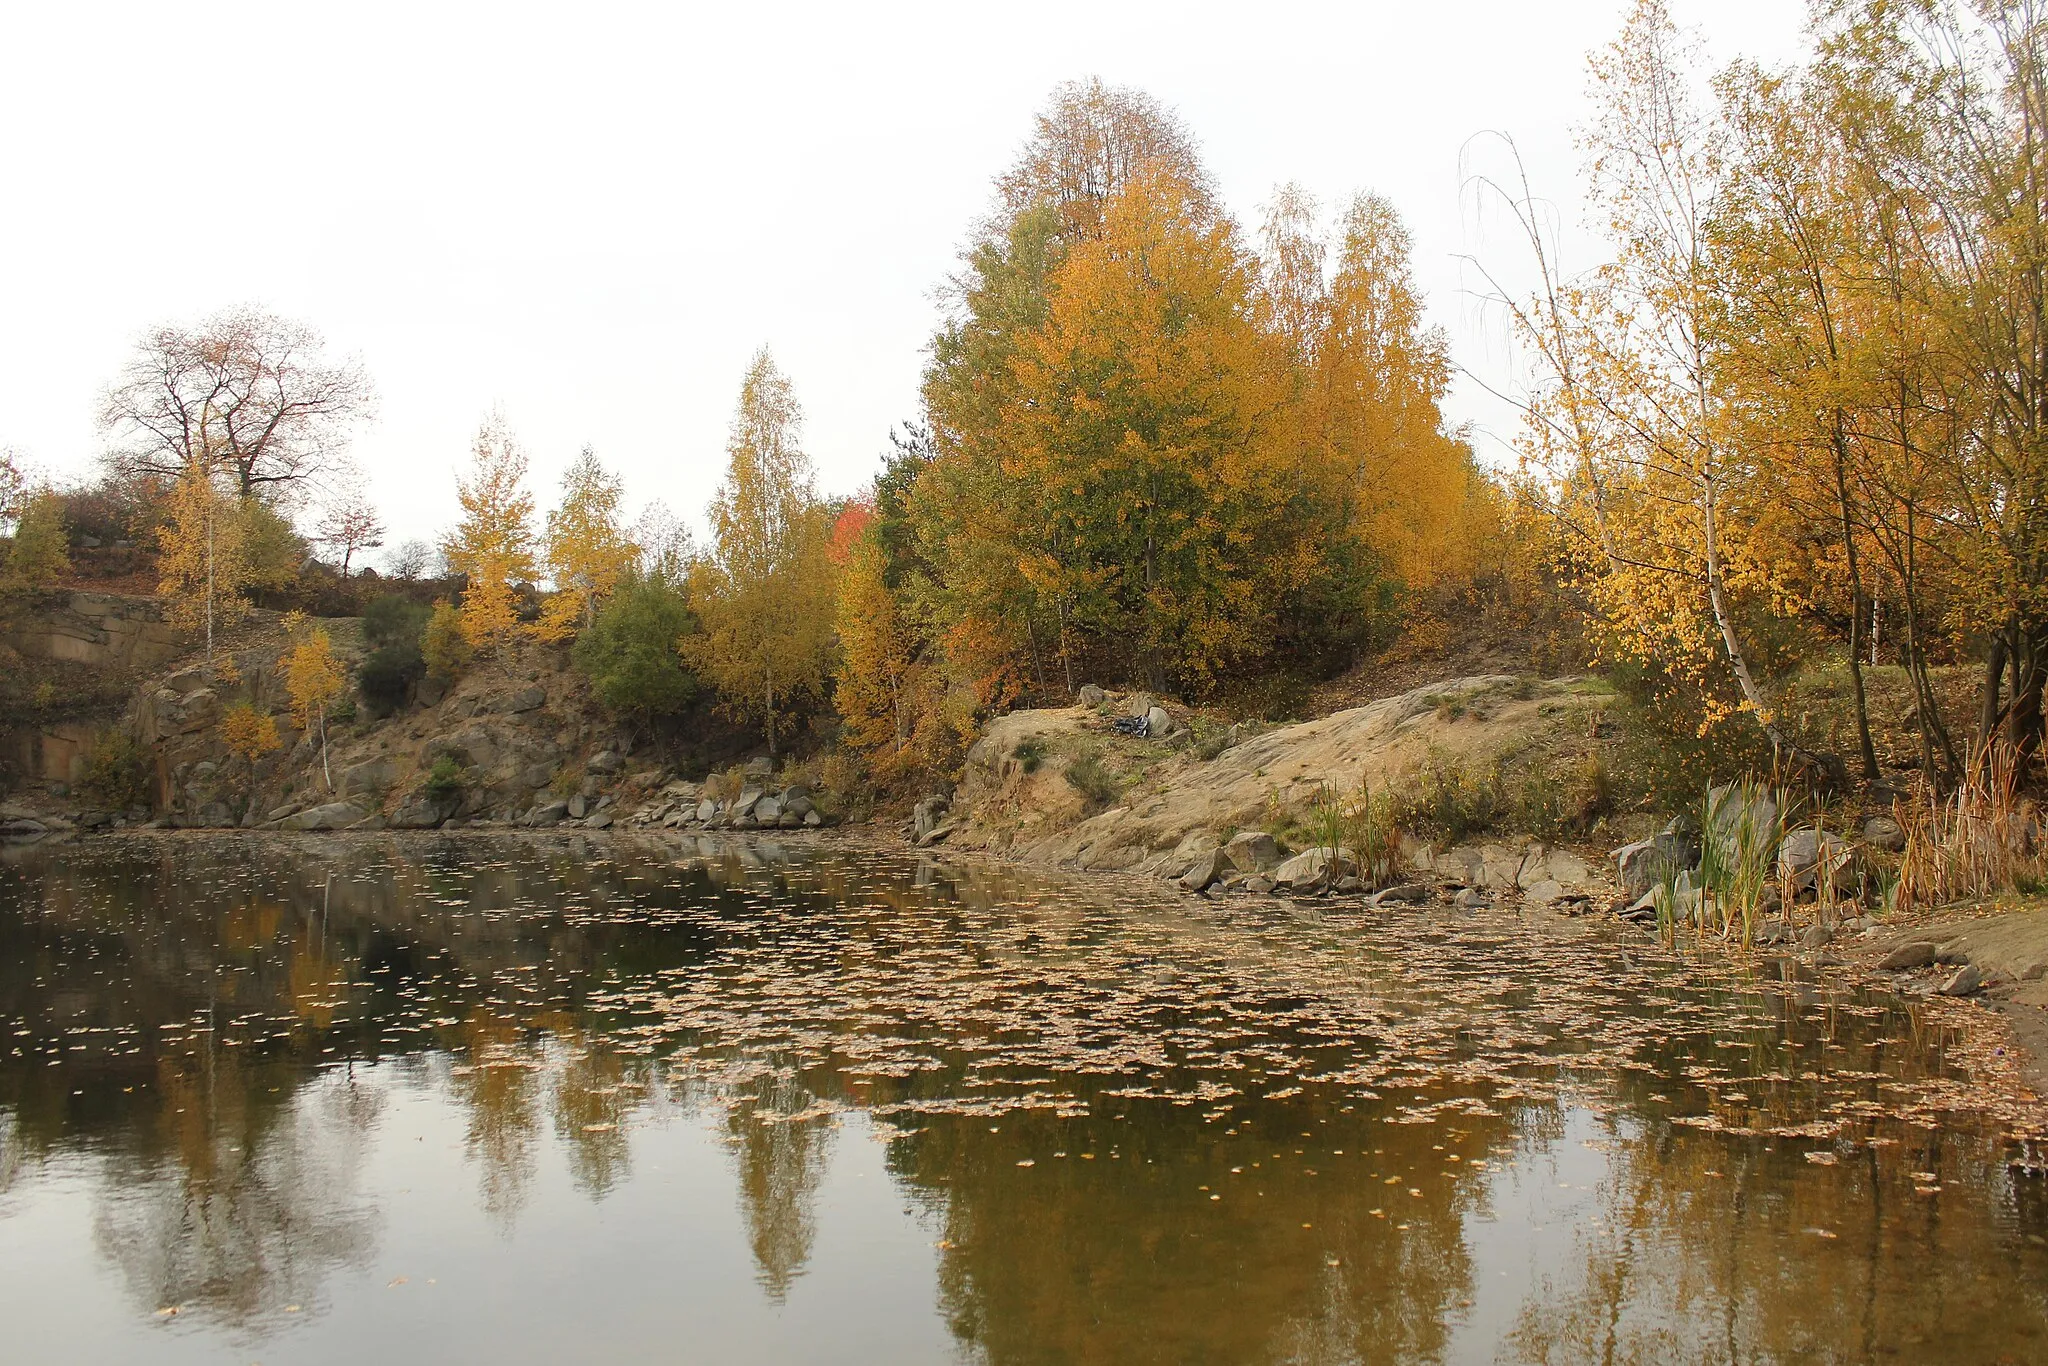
(573,1099)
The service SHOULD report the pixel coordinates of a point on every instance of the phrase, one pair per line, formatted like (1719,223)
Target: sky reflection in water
(543,1100)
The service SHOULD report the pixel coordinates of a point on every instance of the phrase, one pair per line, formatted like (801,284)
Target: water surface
(554,1099)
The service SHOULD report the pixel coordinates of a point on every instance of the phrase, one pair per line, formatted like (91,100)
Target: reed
(1984,838)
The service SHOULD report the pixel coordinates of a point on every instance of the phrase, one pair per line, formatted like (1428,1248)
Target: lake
(545,1099)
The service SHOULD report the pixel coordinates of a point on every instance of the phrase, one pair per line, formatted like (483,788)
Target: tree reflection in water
(1133,1133)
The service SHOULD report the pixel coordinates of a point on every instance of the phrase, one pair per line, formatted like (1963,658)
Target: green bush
(630,653)
(444,779)
(117,771)
(393,619)
(387,676)
(1030,753)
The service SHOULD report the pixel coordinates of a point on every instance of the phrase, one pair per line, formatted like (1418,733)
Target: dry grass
(1984,839)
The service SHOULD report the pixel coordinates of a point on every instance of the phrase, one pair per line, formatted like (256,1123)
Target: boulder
(1138,704)
(1648,863)
(1816,937)
(796,803)
(1753,820)
(706,809)
(328,816)
(577,807)
(745,805)
(1315,868)
(1207,869)
(431,691)
(760,766)
(768,810)
(1918,954)
(1407,894)
(1090,696)
(278,813)
(601,821)
(549,813)
(1882,832)
(813,819)
(936,835)
(1469,898)
(1967,979)
(526,699)
(365,778)
(605,761)
(424,810)
(1542,893)
(1157,722)
(1252,851)
(1808,855)
(927,814)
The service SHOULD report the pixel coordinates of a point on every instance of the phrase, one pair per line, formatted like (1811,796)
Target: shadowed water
(565,1099)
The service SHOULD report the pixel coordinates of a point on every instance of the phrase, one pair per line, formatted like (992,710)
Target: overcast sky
(592,214)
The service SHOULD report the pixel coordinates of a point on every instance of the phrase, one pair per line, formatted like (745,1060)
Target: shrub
(1088,776)
(117,771)
(629,652)
(443,646)
(391,619)
(387,676)
(1030,753)
(444,779)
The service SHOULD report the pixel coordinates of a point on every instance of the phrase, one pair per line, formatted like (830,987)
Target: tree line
(1792,419)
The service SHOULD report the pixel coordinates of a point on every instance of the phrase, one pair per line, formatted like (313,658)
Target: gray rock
(745,805)
(1647,863)
(424,810)
(278,813)
(1090,696)
(1157,722)
(1754,821)
(768,810)
(1469,898)
(601,821)
(706,809)
(1313,869)
(1207,869)
(936,835)
(328,816)
(1258,883)
(1542,893)
(1138,704)
(796,803)
(813,819)
(760,766)
(1808,855)
(927,814)
(1882,832)
(526,699)
(578,807)
(1771,932)
(549,813)
(371,777)
(1407,894)
(1918,954)
(1967,979)
(431,691)
(1252,851)
(605,761)
(1816,937)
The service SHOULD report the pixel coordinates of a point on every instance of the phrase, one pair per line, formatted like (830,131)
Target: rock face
(110,631)
(331,816)
(368,778)
(927,815)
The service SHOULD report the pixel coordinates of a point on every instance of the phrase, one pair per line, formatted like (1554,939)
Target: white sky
(592,214)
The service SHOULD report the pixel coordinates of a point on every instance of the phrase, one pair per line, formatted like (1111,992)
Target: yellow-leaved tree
(587,550)
(249,735)
(493,543)
(765,592)
(38,555)
(313,678)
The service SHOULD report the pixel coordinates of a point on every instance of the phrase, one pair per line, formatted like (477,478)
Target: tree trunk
(1864,746)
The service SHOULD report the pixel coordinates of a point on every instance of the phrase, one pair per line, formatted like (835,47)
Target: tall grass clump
(1983,838)
(1363,823)
(1741,826)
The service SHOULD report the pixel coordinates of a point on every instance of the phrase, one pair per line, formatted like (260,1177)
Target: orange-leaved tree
(587,549)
